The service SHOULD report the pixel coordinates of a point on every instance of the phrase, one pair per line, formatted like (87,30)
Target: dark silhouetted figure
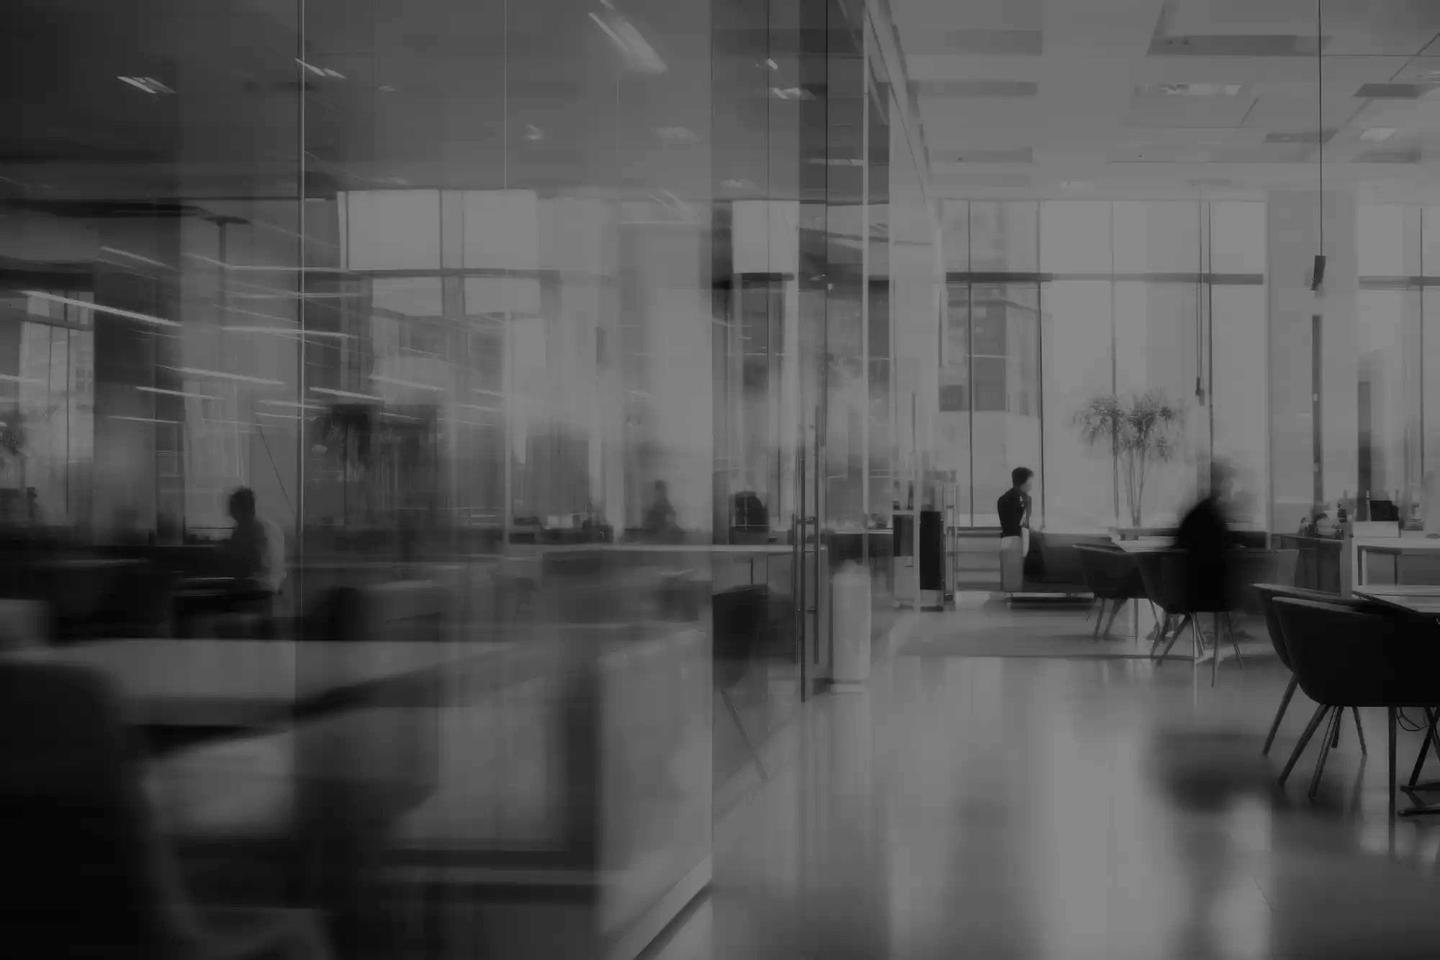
(660,525)
(1205,537)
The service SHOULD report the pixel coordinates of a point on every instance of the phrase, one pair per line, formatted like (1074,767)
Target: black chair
(1264,595)
(1166,576)
(1347,657)
(1113,576)
(1243,569)
(96,879)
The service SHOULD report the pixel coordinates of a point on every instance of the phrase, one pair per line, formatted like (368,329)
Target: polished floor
(1063,808)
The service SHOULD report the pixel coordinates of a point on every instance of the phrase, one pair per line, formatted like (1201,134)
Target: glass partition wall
(1051,304)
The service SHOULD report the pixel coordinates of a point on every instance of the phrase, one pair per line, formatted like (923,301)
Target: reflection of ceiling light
(738,184)
(177,393)
(1077,185)
(12,378)
(288,332)
(386,88)
(1198,89)
(292,403)
(394,382)
(533,133)
(678,135)
(224,375)
(135,256)
(772,64)
(110,311)
(347,394)
(147,85)
(321,71)
(791,93)
(637,53)
(1377,134)
(142,419)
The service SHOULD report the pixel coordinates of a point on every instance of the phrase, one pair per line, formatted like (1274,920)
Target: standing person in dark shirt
(1205,536)
(1014,508)
(1014,504)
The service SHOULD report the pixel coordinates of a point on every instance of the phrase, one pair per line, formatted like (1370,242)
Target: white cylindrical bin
(850,604)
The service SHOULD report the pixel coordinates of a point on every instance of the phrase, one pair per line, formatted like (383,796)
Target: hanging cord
(1320,108)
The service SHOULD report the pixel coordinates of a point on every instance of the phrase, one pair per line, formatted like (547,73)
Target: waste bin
(850,596)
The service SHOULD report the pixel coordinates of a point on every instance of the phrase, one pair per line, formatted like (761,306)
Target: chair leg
(1426,746)
(1310,728)
(1179,631)
(1215,650)
(1390,717)
(1118,605)
(1162,630)
(1359,731)
(1234,640)
(1325,748)
(1099,619)
(1279,714)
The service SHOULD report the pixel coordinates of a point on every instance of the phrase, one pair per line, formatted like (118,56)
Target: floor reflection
(1068,809)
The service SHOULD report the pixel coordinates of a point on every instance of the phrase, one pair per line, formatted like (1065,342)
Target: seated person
(252,559)
(255,552)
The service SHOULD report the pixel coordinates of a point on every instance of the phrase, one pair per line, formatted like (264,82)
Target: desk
(1423,600)
(1395,547)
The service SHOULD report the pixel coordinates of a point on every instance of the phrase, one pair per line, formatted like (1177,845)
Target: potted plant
(1142,430)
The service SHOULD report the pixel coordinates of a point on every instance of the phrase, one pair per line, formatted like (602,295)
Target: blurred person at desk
(251,564)
(255,552)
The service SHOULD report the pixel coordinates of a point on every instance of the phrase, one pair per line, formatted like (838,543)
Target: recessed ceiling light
(1377,134)
(772,64)
(533,133)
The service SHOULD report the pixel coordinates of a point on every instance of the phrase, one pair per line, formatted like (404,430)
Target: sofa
(1052,567)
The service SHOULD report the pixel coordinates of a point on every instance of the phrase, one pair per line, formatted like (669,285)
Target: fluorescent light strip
(98,308)
(143,419)
(287,417)
(177,393)
(346,394)
(223,375)
(11,378)
(394,382)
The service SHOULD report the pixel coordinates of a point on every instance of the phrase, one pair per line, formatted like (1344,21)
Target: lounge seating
(1054,565)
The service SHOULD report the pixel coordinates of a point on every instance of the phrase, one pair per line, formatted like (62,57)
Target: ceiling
(1168,98)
